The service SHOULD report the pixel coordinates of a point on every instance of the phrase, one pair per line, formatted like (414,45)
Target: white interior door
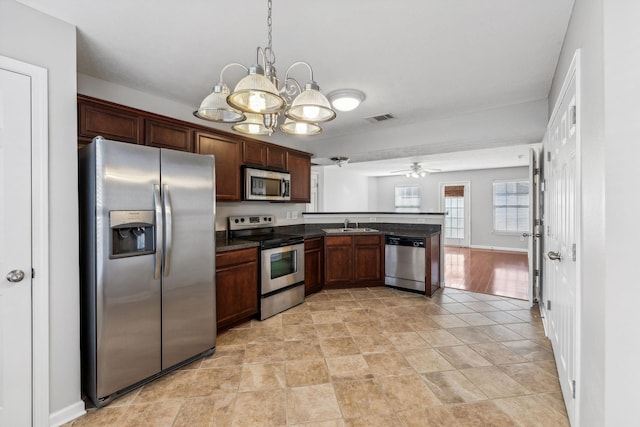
(15,249)
(533,235)
(457,222)
(560,241)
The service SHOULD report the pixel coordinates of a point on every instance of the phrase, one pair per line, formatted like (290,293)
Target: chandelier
(260,97)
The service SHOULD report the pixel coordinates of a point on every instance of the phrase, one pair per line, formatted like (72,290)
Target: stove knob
(236,220)
(241,219)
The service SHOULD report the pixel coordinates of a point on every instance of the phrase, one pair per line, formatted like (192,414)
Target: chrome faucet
(346,223)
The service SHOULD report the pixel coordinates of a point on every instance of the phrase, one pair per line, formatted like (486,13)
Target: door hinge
(548,156)
(548,230)
(536,273)
(573,387)
(538,222)
(574,115)
(573,252)
(33,273)
(548,304)
(536,171)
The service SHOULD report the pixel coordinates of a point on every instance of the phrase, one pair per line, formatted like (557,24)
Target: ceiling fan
(415,171)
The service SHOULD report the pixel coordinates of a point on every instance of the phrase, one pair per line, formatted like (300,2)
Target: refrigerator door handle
(168,229)
(159,236)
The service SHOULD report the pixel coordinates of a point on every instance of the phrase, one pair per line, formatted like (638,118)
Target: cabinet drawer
(313,244)
(367,240)
(225,259)
(338,241)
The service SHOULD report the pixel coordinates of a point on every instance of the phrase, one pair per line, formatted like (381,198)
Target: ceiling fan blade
(402,171)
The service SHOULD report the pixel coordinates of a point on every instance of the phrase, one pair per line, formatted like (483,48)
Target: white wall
(32,37)
(343,190)
(622,128)
(481,201)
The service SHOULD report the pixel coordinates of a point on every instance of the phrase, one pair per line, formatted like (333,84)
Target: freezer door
(127,296)
(188,281)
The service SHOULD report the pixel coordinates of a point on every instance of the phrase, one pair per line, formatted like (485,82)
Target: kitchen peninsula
(333,258)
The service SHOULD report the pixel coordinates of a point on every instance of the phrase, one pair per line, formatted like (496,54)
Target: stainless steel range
(282,260)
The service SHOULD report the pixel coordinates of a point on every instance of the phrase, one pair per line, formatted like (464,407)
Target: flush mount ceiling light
(340,161)
(346,99)
(262,97)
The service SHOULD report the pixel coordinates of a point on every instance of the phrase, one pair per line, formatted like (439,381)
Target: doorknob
(554,256)
(536,235)
(15,276)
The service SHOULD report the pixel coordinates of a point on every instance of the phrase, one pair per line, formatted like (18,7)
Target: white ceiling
(421,60)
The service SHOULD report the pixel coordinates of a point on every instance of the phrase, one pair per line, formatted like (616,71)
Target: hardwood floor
(488,272)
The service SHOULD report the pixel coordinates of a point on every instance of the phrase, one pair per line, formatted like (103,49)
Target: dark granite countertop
(310,231)
(372,213)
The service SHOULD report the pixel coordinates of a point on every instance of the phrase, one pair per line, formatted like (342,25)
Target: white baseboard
(498,248)
(67,414)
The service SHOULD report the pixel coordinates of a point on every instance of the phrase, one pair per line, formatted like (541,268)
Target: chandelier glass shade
(300,128)
(252,125)
(259,99)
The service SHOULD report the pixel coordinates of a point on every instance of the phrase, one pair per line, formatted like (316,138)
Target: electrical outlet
(294,215)
(288,215)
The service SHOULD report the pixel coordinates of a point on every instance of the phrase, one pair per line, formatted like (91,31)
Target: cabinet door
(254,153)
(299,166)
(236,286)
(338,260)
(227,154)
(368,258)
(168,135)
(313,265)
(276,158)
(109,122)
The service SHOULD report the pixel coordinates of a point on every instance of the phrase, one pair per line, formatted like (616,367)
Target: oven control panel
(250,221)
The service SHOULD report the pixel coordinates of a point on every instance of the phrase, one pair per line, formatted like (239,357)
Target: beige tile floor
(363,357)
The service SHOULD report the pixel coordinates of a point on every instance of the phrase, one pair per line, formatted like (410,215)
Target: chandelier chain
(271,58)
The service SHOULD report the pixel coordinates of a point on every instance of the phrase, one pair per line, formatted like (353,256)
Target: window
(511,206)
(407,198)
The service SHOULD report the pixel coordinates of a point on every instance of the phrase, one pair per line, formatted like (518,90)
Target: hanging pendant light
(256,94)
(262,93)
(300,128)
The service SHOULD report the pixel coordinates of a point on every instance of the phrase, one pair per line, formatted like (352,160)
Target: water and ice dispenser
(132,233)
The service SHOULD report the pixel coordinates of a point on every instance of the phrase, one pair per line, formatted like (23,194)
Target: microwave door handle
(168,230)
(283,187)
(159,225)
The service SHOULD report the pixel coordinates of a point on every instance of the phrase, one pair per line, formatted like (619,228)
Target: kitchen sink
(349,230)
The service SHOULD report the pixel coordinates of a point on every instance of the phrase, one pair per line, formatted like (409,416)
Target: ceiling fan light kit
(261,96)
(340,160)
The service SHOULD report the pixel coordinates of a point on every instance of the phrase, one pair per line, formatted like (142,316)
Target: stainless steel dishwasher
(405,263)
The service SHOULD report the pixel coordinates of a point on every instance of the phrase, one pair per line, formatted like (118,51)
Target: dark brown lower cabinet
(353,261)
(313,265)
(236,286)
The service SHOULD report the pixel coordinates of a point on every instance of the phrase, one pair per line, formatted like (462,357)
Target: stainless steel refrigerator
(147,263)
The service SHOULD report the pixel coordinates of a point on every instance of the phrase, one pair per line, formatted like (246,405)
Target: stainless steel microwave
(260,184)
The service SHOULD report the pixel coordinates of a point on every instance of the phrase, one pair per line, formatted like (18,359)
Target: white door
(533,235)
(15,249)
(455,203)
(560,241)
